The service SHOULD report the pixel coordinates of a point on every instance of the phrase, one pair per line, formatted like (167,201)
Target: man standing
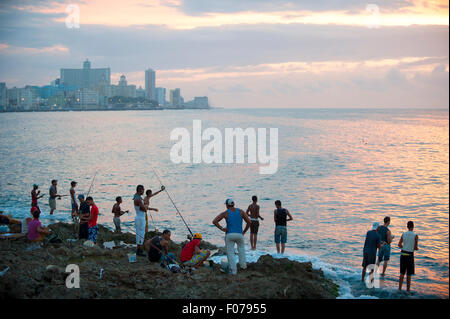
(73,200)
(117,211)
(372,243)
(148,195)
(84,217)
(35,196)
(139,220)
(92,220)
(234,234)
(253,213)
(280,218)
(158,248)
(53,192)
(386,238)
(408,243)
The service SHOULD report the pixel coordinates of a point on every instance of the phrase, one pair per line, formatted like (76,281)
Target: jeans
(230,240)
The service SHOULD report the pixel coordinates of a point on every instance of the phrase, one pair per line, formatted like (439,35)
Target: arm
(247,211)
(400,243)
(274,215)
(165,246)
(138,202)
(197,250)
(247,220)
(259,216)
(154,209)
(156,193)
(389,237)
(289,215)
(218,219)
(416,243)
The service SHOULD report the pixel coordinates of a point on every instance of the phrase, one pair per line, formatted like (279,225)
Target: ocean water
(339,171)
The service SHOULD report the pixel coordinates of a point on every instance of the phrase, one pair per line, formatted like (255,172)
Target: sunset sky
(252,53)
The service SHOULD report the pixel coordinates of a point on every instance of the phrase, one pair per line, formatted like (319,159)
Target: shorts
(407,263)
(84,231)
(52,203)
(196,258)
(117,223)
(280,234)
(93,231)
(384,253)
(254,226)
(368,259)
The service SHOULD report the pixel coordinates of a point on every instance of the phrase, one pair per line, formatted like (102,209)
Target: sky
(241,53)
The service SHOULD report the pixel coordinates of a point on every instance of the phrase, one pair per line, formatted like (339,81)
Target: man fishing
(141,211)
(158,248)
(148,195)
(53,192)
(253,213)
(409,242)
(234,234)
(35,195)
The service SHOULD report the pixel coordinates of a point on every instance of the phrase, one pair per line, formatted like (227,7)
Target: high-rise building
(175,98)
(161,96)
(3,96)
(85,77)
(150,90)
(123,89)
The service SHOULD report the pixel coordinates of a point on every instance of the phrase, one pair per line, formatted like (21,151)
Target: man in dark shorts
(85,211)
(384,252)
(409,242)
(280,215)
(371,244)
(158,248)
(253,213)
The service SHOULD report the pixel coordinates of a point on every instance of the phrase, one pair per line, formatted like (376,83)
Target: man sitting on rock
(158,248)
(191,255)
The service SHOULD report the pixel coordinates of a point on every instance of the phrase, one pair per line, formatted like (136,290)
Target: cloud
(199,7)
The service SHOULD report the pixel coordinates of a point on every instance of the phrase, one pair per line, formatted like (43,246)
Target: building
(3,96)
(86,98)
(29,98)
(201,102)
(85,77)
(150,90)
(140,93)
(123,89)
(175,98)
(161,96)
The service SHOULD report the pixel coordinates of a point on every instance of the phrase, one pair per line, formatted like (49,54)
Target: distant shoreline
(107,109)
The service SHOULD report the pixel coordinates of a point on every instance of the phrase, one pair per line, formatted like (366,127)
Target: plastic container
(132,258)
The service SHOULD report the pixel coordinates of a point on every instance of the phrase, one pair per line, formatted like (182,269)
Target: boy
(253,213)
(92,220)
(117,213)
(191,255)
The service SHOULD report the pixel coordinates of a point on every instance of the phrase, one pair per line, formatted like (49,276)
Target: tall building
(123,89)
(150,90)
(161,96)
(175,98)
(29,98)
(85,77)
(3,96)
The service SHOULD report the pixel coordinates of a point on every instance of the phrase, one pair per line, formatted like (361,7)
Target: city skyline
(243,54)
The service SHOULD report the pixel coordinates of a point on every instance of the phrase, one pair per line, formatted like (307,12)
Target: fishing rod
(92,183)
(172,201)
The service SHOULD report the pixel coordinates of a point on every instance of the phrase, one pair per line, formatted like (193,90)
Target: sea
(339,171)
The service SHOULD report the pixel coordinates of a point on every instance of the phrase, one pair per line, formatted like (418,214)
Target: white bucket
(132,258)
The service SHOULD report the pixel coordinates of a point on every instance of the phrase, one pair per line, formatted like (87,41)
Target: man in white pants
(234,234)
(141,210)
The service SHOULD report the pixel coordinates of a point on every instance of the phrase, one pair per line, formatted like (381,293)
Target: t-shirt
(94,213)
(155,251)
(50,190)
(188,250)
(33,229)
(371,243)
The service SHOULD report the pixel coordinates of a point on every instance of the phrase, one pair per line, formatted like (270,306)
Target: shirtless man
(148,195)
(117,211)
(73,201)
(253,213)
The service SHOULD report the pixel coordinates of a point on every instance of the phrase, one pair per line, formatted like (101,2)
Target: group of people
(380,238)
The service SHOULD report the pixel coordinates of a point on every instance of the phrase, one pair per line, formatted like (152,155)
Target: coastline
(38,271)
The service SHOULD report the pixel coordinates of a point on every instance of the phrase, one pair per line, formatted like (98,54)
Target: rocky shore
(38,271)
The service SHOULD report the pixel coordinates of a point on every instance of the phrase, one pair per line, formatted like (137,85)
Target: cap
(229,202)
(80,196)
(197,236)
(375,225)
(35,185)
